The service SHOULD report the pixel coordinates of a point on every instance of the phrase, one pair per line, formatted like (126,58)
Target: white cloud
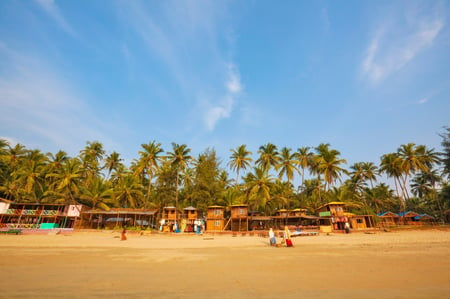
(39,108)
(422,101)
(394,45)
(234,81)
(213,114)
(192,42)
(50,7)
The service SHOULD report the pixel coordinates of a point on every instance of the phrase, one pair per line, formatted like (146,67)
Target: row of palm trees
(158,178)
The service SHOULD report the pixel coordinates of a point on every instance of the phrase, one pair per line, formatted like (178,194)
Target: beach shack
(190,214)
(360,222)
(118,218)
(38,216)
(257,221)
(215,219)
(426,219)
(409,218)
(170,219)
(239,218)
(295,218)
(332,217)
(280,218)
(388,219)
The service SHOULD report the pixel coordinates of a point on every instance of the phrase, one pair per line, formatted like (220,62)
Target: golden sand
(397,264)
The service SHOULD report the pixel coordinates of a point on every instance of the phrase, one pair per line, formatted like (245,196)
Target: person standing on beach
(123,237)
(272,239)
(287,237)
(347,227)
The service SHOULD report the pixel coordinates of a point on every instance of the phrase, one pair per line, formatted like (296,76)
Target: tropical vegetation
(414,177)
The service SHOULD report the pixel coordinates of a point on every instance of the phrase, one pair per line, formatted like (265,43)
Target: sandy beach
(396,264)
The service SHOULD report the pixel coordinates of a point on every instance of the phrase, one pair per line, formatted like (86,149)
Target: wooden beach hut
(332,217)
(426,219)
(409,218)
(170,217)
(215,219)
(190,214)
(388,219)
(239,218)
(360,222)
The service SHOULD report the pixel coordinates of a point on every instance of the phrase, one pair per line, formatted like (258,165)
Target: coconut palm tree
(148,163)
(268,156)
(364,171)
(128,192)
(445,143)
(91,157)
(424,185)
(412,159)
(328,164)
(240,159)
(98,195)
(13,156)
(31,173)
(391,166)
(67,182)
(304,157)
(258,187)
(287,164)
(180,159)
(112,162)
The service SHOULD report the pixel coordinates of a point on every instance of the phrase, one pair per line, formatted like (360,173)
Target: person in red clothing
(123,237)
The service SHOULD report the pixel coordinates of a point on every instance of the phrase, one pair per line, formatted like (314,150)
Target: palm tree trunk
(148,191)
(176,198)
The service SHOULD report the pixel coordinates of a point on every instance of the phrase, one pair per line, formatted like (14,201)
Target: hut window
(217,212)
(359,221)
(241,211)
(217,223)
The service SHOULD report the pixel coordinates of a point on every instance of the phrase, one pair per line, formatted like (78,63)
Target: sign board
(3,207)
(74,211)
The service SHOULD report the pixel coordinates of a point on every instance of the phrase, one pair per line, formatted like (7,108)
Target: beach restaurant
(117,218)
(37,215)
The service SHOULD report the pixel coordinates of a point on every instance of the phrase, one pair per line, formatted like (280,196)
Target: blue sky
(364,76)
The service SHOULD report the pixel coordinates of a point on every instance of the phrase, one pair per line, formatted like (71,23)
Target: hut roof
(262,218)
(216,207)
(239,205)
(332,203)
(122,212)
(190,209)
(423,217)
(408,214)
(387,214)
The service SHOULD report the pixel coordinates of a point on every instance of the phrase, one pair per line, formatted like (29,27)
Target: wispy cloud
(50,7)
(422,101)
(395,44)
(41,108)
(190,40)
(223,110)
